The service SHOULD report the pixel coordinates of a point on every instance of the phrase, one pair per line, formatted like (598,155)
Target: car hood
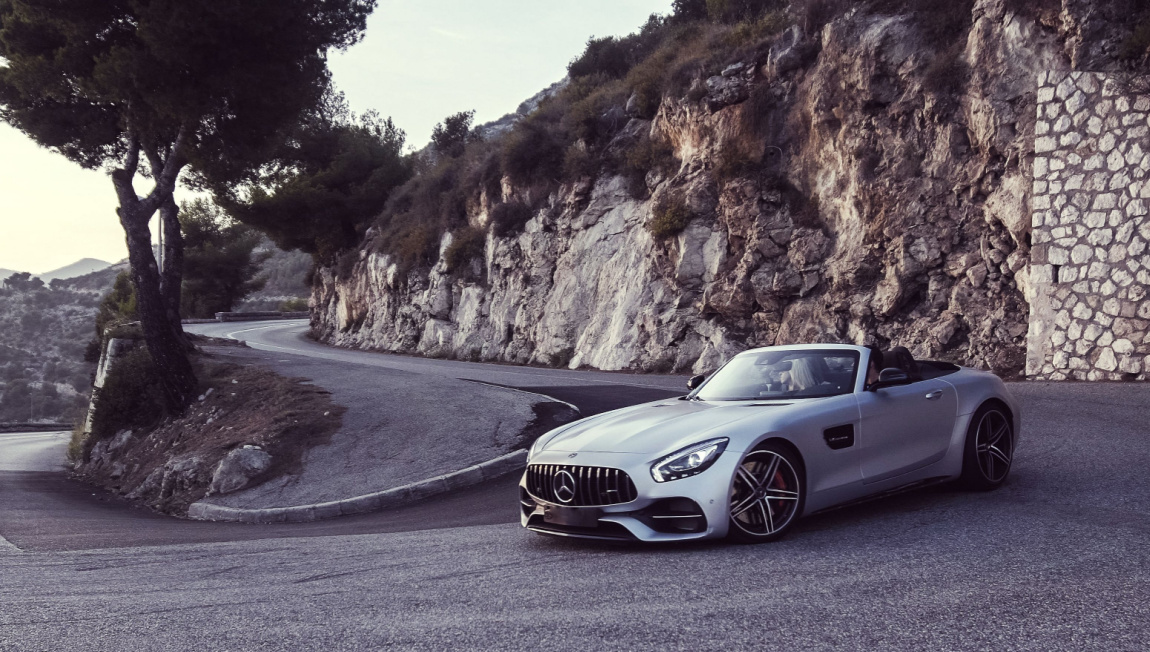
(654,428)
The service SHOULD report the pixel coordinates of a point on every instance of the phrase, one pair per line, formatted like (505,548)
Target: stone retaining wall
(1090,269)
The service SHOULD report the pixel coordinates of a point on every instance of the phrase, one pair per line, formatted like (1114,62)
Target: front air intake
(580,486)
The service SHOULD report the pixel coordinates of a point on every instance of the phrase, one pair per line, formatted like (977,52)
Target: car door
(905,427)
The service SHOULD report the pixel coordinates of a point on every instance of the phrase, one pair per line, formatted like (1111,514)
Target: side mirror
(890,377)
(695,381)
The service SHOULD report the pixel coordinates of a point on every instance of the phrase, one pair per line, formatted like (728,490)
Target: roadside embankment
(399,430)
(269,433)
(249,424)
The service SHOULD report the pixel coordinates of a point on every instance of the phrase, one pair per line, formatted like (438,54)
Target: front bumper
(679,510)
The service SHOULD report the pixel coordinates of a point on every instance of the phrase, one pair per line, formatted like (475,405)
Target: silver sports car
(773,435)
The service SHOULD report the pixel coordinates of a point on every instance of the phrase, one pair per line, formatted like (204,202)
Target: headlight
(689,461)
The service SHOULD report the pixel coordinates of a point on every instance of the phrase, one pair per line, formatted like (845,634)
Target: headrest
(900,357)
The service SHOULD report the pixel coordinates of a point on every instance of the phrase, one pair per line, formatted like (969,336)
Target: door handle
(935,395)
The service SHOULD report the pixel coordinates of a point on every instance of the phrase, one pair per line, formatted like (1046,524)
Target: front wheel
(767,495)
(989,450)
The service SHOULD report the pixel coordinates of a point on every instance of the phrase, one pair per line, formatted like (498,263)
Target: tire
(767,494)
(989,450)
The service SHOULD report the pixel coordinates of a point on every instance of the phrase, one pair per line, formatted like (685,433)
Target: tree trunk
(172,276)
(164,338)
(163,333)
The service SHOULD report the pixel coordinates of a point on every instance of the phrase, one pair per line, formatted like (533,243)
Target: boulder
(238,469)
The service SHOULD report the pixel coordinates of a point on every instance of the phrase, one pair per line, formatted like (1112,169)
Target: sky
(421,60)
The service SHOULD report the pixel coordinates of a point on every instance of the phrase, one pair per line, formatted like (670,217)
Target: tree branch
(122,177)
(165,174)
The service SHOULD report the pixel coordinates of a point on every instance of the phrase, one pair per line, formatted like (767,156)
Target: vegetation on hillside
(579,132)
(325,183)
(43,331)
(220,269)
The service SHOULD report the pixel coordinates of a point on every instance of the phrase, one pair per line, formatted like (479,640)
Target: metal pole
(161,230)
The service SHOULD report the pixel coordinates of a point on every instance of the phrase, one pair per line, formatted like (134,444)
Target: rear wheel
(766,494)
(989,451)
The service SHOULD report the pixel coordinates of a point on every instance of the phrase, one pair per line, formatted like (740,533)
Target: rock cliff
(887,200)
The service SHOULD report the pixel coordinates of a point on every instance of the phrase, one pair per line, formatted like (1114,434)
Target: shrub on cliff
(466,245)
(603,56)
(509,218)
(597,116)
(733,11)
(532,153)
(578,163)
(669,217)
(415,245)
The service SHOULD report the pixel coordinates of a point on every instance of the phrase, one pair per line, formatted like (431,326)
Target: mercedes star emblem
(563,484)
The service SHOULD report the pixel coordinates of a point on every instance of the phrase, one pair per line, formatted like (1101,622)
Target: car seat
(900,357)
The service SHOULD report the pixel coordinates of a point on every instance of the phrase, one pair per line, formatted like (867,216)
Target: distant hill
(81,267)
(99,281)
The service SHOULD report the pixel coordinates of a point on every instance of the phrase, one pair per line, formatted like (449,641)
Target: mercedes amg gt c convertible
(773,435)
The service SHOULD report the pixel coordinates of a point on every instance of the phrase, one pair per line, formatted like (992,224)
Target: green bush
(590,118)
(532,152)
(130,398)
(578,163)
(414,245)
(466,244)
(731,11)
(668,218)
(755,30)
(118,306)
(509,218)
(603,56)
(688,10)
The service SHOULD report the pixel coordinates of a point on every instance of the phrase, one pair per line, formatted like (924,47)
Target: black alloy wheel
(767,495)
(989,451)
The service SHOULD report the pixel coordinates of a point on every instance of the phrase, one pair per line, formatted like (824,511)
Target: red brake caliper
(778,479)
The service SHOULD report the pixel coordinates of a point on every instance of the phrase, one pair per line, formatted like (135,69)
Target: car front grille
(593,485)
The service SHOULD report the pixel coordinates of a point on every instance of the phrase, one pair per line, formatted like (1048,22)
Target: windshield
(783,374)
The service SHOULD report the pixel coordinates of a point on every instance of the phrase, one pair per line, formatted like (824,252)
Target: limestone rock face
(884,210)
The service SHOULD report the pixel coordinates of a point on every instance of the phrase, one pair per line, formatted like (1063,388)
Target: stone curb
(373,502)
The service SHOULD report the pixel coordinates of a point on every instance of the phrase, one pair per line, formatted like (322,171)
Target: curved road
(1055,560)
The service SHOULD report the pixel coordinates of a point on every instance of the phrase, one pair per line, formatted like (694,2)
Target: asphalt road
(1055,560)
(43,510)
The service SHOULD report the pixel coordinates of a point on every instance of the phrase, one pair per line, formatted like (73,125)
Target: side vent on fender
(840,436)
